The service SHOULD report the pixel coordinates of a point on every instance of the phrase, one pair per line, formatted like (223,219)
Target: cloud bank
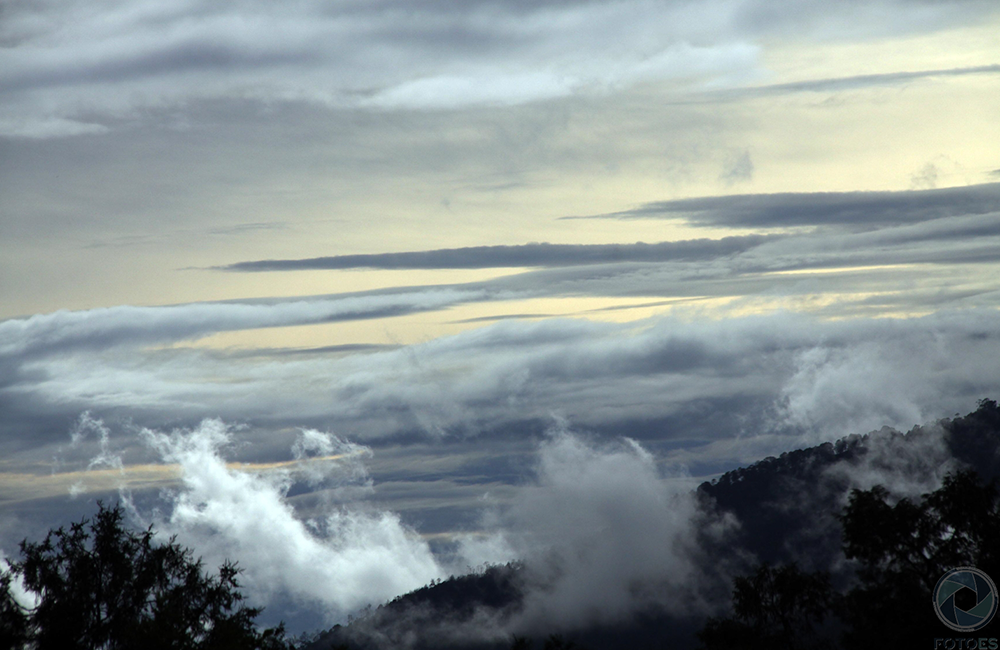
(85,70)
(602,532)
(128,325)
(546,255)
(912,247)
(853,209)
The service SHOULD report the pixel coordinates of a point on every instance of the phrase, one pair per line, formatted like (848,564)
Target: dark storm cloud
(545,255)
(854,209)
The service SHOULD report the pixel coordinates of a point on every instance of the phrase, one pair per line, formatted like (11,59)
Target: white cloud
(506,87)
(24,597)
(896,374)
(352,558)
(603,534)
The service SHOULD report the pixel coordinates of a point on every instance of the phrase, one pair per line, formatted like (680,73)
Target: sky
(367,293)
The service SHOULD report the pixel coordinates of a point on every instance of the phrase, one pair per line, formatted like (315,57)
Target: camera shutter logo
(965,599)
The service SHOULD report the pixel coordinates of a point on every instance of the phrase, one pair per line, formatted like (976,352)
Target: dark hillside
(975,439)
(434,611)
(787,508)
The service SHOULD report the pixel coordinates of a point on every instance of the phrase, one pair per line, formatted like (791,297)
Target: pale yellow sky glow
(19,486)
(613,154)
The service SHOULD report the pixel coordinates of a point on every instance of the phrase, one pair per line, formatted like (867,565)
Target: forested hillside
(788,510)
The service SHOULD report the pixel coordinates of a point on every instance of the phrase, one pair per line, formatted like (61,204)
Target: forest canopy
(100,584)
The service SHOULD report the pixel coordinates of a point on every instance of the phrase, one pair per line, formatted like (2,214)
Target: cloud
(456,417)
(739,169)
(926,178)
(500,87)
(113,326)
(908,466)
(22,596)
(838,377)
(545,255)
(75,70)
(885,242)
(603,535)
(69,68)
(837,84)
(334,565)
(848,389)
(898,253)
(858,209)
(862,386)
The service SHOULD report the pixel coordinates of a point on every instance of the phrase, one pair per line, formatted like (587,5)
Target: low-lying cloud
(350,557)
(603,535)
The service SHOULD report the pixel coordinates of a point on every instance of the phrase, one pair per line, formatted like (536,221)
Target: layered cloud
(128,325)
(845,253)
(829,378)
(545,255)
(959,225)
(694,389)
(849,255)
(854,209)
(83,69)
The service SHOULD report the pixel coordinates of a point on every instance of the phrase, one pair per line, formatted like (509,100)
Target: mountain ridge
(787,509)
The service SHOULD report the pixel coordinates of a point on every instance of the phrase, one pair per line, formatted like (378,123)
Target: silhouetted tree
(776,607)
(519,643)
(13,617)
(102,585)
(557,642)
(904,549)
(901,551)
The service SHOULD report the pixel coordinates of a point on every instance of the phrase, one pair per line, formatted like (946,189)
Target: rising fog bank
(601,532)
(779,510)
